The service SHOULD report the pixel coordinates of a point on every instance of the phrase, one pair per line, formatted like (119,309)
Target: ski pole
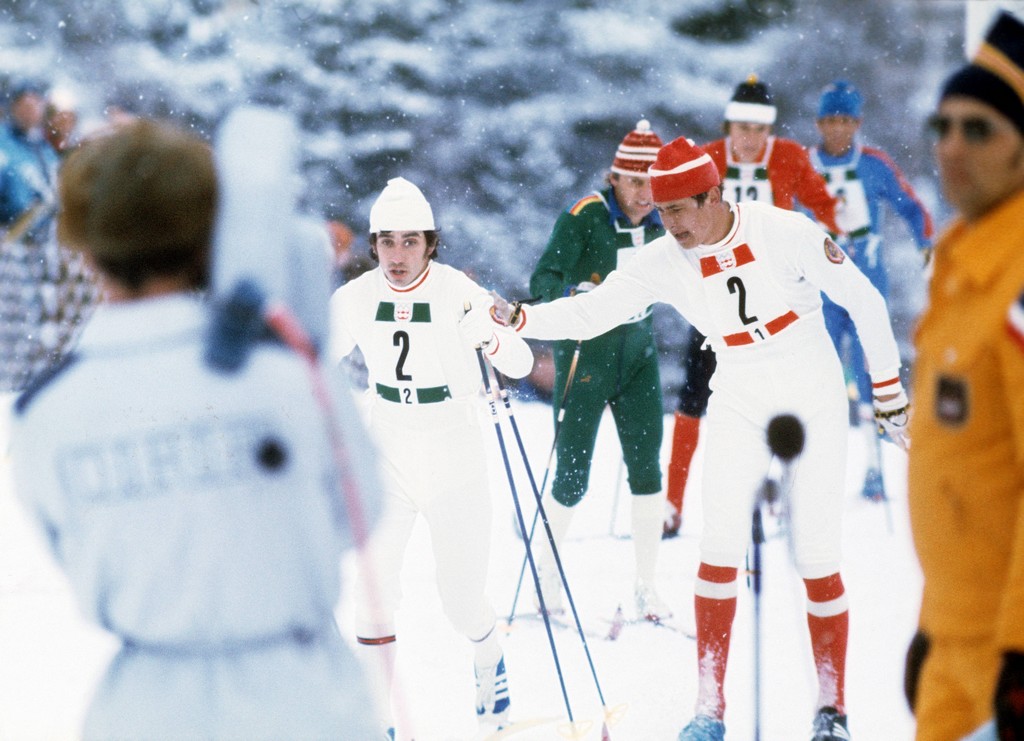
(503,393)
(596,279)
(522,524)
(547,472)
(886,502)
(758,538)
(786,442)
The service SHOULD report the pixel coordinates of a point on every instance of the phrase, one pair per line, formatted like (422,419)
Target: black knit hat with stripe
(995,75)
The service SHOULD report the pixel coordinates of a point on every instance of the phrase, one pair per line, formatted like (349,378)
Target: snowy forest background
(503,111)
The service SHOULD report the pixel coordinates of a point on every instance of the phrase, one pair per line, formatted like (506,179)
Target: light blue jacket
(28,172)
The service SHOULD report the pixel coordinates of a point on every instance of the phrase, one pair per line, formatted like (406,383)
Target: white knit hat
(401,207)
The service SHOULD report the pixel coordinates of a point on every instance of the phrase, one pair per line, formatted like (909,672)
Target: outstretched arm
(584,315)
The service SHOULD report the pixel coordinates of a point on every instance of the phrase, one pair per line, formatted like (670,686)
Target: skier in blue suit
(863,178)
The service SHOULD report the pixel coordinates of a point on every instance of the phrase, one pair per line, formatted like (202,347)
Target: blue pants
(866,254)
(844,337)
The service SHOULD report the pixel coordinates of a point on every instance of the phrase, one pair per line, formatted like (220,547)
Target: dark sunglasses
(975,130)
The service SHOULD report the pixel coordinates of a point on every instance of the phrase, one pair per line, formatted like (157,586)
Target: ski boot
(874,486)
(649,605)
(492,701)
(829,725)
(673,521)
(703,728)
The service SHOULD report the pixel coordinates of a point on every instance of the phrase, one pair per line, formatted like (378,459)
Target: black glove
(916,654)
(1010,698)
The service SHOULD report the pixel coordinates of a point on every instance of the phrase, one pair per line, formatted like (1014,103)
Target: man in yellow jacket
(967,461)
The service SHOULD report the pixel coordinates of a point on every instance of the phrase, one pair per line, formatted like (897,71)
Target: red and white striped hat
(682,170)
(637,151)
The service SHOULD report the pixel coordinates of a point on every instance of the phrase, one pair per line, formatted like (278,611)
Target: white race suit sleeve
(830,270)
(622,295)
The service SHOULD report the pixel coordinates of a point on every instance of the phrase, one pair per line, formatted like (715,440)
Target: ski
(559,622)
(519,726)
(615,625)
(569,730)
(619,621)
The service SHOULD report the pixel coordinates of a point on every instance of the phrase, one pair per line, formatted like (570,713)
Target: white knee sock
(487,650)
(559,518)
(647,511)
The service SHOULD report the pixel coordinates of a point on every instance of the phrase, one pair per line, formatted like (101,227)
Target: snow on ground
(49,658)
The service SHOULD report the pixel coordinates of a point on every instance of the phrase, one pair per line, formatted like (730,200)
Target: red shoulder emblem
(583,203)
(833,252)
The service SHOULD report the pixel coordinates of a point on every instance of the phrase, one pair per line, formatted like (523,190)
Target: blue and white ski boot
(492,700)
(703,728)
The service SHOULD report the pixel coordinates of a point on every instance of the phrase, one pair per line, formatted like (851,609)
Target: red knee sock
(715,606)
(828,617)
(685,435)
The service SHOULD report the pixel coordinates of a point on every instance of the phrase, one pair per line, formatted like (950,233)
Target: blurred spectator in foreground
(966,476)
(194,507)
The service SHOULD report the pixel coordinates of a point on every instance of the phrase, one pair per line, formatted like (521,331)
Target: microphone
(786,441)
(785,437)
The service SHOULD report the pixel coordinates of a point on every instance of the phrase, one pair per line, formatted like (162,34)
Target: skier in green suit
(618,369)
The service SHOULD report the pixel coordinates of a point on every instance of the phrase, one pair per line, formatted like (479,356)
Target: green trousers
(618,369)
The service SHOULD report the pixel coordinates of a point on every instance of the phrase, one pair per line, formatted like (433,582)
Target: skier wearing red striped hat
(749,277)
(618,369)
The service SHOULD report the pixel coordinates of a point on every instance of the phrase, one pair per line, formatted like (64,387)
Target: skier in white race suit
(409,318)
(748,276)
(196,512)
